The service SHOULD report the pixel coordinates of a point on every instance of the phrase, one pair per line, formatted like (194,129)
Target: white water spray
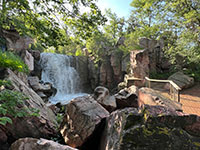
(57,70)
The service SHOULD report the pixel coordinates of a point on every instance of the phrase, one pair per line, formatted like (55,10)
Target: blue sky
(121,7)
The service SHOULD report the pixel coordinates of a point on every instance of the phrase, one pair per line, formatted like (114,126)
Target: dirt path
(190,98)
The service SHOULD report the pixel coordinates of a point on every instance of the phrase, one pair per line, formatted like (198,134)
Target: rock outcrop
(103,97)
(152,127)
(182,80)
(38,144)
(139,65)
(106,74)
(93,74)
(83,115)
(157,60)
(43,125)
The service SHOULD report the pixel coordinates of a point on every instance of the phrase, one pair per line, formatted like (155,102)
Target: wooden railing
(174,88)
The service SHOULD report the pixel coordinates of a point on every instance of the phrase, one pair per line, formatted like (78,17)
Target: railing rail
(173,87)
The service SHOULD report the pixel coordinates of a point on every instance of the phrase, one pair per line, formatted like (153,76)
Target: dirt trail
(190,98)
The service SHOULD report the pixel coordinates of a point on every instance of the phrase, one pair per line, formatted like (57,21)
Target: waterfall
(57,69)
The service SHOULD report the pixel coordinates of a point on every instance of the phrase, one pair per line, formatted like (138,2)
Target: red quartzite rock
(82,116)
(41,126)
(103,97)
(151,97)
(139,65)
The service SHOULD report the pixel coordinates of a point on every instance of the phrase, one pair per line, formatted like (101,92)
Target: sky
(121,7)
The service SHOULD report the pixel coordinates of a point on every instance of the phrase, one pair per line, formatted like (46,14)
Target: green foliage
(11,105)
(6,83)
(14,62)
(45,20)
(5,120)
(177,22)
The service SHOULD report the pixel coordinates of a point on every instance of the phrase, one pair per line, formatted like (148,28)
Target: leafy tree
(43,19)
(114,29)
(106,40)
(176,20)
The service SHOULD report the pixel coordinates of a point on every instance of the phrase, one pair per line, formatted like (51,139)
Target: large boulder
(43,125)
(103,97)
(152,127)
(182,80)
(151,97)
(139,65)
(83,115)
(127,97)
(38,144)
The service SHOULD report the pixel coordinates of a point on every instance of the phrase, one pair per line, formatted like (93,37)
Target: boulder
(43,125)
(127,97)
(139,65)
(151,97)
(182,80)
(103,97)
(152,127)
(38,144)
(83,115)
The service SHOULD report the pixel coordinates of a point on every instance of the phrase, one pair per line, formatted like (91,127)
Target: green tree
(176,20)
(106,39)
(45,19)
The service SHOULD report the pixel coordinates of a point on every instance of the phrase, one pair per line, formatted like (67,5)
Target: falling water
(57,70)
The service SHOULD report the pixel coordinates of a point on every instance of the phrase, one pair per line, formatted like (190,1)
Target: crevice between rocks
(94,141)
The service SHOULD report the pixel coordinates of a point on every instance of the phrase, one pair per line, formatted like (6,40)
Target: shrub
(12,61)
(11,105)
